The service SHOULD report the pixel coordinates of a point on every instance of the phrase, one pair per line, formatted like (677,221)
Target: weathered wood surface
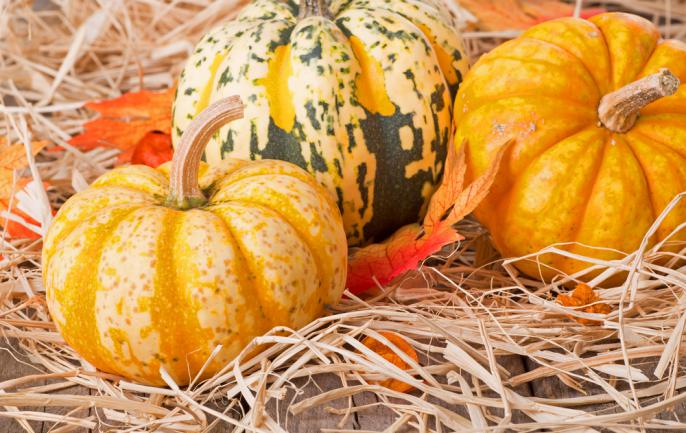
(369,417)
(552,387)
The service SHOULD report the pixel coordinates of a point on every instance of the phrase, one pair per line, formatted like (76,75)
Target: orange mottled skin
(134,285)
(568,178)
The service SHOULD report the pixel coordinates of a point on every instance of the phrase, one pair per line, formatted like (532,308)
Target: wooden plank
(514,365)
(12,368)
(553,387)
(374,418)
(378,418)
(72,412)
(316,418)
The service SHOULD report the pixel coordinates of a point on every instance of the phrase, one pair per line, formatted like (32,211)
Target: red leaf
(126,121)
(13,229)
(520,14)
(399,253)
(154,149)
(143,104)
(585,14)
(12,158)
(410,245)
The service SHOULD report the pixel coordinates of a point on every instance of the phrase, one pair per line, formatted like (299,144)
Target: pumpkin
(155,268)
(357,92)
(600,143)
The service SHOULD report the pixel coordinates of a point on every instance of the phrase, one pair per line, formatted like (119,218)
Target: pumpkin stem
(184,191)
(312,8)
(619,110)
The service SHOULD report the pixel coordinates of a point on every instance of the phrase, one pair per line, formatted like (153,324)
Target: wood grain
(13,365)
(367,413)
(553,387)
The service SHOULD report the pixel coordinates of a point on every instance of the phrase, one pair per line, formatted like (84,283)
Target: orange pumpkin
(600,143)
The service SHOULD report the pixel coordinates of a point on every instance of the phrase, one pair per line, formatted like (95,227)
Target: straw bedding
(462,311)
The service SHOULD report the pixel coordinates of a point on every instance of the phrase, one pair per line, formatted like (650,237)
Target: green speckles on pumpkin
(362,187)
(410,76)
(225,77)
(228,142)
(339,169)
(283,39)
(314,55)
(317,161)
(352,142)
(438,98)
(257,58)
(312,115)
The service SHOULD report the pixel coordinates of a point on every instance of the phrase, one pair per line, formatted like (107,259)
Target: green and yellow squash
(359,93)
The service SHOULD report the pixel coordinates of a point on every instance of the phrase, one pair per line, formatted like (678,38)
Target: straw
(462,311)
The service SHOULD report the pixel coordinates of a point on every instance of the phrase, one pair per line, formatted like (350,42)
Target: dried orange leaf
(13,229)
(154,149)
(494,15)
(126,122)
(13,157)
(389,355)
(453,183)
(583,298)
(411,244)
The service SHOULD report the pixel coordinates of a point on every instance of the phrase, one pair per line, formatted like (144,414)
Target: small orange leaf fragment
(13,229)
(583,298)
(388,354)
(520,14)
(13,157)
(126,121)
(153,149)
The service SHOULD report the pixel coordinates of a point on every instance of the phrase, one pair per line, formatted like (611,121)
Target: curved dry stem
(184,192)
(619,110)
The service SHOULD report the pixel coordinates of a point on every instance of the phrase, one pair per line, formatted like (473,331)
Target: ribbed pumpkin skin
(362,100)
(133,285)
(568,178)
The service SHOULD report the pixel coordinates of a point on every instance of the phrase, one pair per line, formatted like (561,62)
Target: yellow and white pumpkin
(136,281)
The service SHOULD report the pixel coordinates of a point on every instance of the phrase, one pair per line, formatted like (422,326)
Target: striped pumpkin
(357,92)
(600,144)
(135,282)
